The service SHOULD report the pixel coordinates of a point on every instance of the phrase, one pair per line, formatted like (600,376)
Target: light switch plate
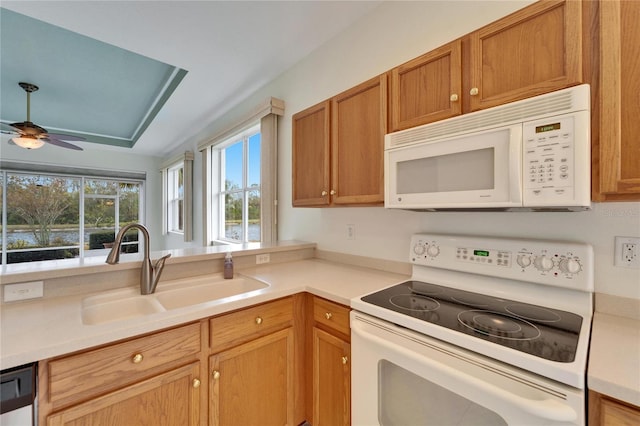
(23,291)
(262,258)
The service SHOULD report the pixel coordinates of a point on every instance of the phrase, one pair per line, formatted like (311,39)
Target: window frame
(82,197)
(174,219)
(243,138)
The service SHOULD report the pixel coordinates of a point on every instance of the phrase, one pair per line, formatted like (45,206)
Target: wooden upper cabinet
(427,88)
(535,50)
(616,150)
(311,155)
(338,148)
(358,126)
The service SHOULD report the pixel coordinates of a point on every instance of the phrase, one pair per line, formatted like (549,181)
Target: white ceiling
(229,48)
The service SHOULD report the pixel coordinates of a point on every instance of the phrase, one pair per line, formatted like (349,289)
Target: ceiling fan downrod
(28,87)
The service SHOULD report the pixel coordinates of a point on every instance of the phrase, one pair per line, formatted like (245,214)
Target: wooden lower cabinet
(252,384)
(329,358)
(605,411)
(331,380)
(171,398)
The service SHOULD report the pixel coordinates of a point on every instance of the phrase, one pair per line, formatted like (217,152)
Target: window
(177,183)
(175,194)
(240,185)
(239,190)
(48,216)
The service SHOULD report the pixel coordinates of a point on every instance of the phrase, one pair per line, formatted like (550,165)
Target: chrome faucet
(151,270)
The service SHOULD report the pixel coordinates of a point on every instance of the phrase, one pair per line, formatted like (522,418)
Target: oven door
(420,380)
(481,170)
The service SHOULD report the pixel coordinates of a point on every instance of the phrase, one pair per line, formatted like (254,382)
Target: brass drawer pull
(328,315)
(196,383)
(258,320)
(215,374)
(345,360)
(137,358)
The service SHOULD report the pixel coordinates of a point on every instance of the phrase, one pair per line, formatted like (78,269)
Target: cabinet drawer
(84,375)
(241,326)
(331,314)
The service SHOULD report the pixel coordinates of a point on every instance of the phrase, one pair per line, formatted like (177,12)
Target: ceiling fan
(32,136)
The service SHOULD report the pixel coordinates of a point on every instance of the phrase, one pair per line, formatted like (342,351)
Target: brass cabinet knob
(345,360)
(454,97)
(215,374)
(258,320)
(196,383)
(324,193)
(474,91)
(328,315)
(137,358)
(333,192)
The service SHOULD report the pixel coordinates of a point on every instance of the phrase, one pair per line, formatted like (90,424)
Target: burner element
(414,302)
(498,325)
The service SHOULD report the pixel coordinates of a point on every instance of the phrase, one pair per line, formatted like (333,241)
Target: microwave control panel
(548,165)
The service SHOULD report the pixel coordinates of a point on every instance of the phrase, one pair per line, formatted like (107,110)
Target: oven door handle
(544,408)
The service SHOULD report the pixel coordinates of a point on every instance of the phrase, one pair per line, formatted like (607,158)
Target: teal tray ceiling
(88,88)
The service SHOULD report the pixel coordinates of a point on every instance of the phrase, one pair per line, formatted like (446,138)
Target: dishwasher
(18,396)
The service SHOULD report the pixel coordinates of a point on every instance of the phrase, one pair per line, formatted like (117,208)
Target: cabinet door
(358,126)
(616,166)
(172,398)
(533,51)
(252,384)
(427,88)
(331,380)
(311,156)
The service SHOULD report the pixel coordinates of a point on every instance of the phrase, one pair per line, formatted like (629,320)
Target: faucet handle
(159,263)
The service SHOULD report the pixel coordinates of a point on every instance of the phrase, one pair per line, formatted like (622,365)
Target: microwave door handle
(547,408)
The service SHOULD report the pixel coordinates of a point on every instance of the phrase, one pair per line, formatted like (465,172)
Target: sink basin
(207,290)
(119,305)
(128,303)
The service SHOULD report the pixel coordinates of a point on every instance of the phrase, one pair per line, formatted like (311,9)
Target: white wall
(392,34)
(104,159)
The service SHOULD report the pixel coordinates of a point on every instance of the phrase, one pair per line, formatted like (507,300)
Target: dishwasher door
(18,396)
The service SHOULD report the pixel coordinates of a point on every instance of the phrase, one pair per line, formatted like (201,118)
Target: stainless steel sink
(128,303)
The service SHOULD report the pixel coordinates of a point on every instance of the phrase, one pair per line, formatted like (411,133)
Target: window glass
(240,188)
(44,219)
(233,166)
(254,160)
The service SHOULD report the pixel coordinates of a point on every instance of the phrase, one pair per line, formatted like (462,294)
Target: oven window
(408,399)
(461,171)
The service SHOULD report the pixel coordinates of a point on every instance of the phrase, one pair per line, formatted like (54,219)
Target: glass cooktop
(547,333)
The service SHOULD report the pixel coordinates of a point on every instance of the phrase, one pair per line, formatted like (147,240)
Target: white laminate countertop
(49,327)
(614,358)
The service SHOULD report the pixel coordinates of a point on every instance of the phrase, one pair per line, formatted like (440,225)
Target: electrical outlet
(23,291)
(627,252)
(262,258)
(351,232)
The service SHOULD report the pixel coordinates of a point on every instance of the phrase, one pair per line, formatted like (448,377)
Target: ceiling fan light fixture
(27,142)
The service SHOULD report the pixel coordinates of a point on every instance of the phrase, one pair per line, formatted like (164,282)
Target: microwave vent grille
(550,104)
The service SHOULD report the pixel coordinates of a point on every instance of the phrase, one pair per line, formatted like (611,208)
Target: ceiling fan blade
(8,129)
(62,136)
(63,144)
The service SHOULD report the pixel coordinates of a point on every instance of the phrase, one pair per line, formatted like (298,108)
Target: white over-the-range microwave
(533,154)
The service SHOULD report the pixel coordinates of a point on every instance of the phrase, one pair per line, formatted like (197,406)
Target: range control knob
(419,249)
(543,263)
(570,266)
(433,250)
(524,260)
